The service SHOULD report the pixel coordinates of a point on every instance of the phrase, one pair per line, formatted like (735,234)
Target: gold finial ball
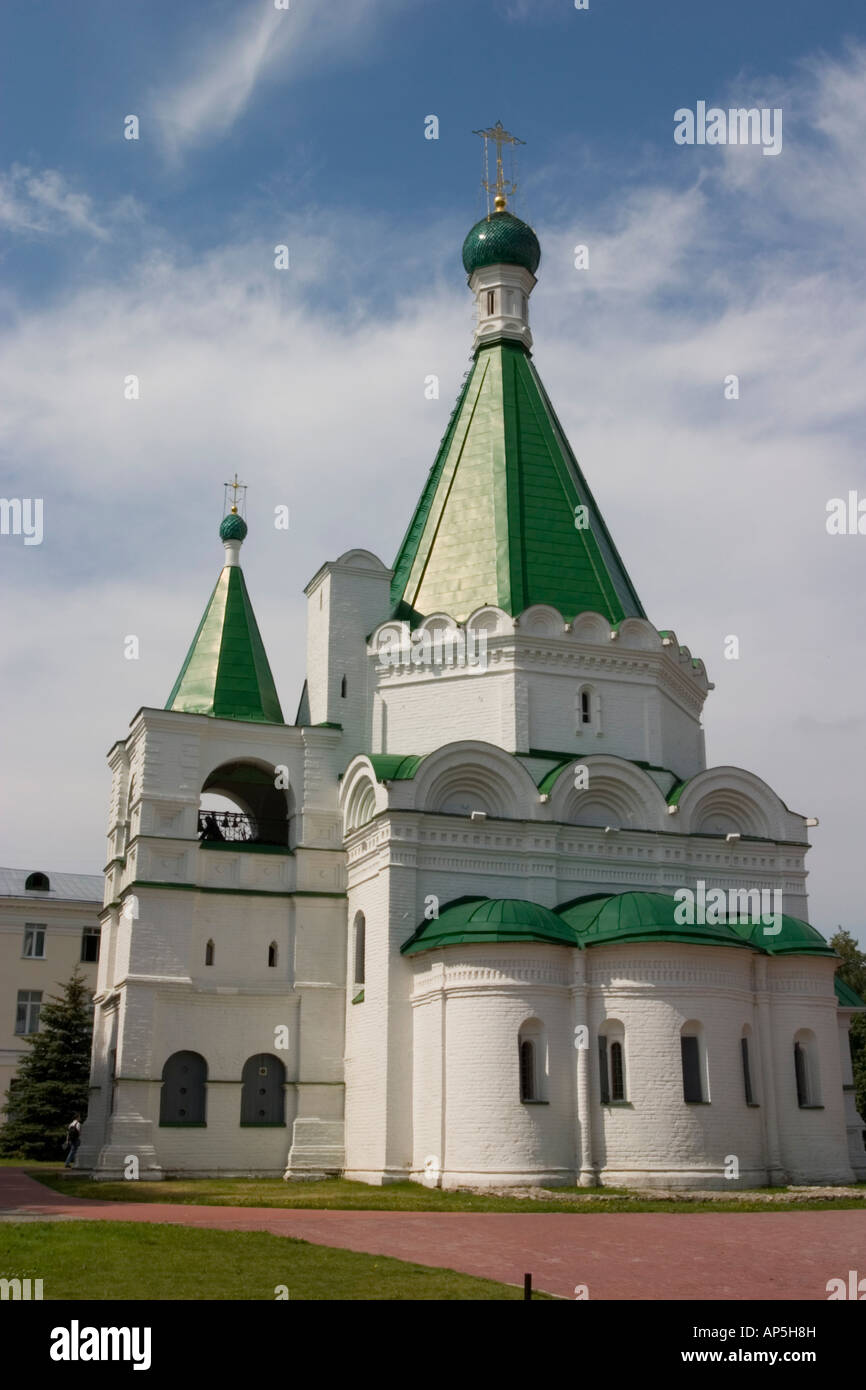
(499,202)
(234,511)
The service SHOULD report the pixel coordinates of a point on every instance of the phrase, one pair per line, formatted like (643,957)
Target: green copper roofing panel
(487,920)
(848,997)
(395,767)
(495,523)
(795,937)
(226,672)
(606,919)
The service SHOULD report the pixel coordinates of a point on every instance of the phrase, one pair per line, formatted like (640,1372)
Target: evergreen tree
(853,972)
(53,1080)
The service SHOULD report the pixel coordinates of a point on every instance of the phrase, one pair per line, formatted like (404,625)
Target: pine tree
(853,972)
(53,1080)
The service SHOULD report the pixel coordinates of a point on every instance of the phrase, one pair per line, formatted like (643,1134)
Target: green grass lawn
(338,1194)
(102,1260)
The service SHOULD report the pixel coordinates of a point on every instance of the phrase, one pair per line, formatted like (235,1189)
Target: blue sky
(306,127)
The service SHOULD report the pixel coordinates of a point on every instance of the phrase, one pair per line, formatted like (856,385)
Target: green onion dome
(233,528)
(501,239)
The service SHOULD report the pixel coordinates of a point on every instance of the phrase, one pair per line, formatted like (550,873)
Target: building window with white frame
(27,1011)
(34,942)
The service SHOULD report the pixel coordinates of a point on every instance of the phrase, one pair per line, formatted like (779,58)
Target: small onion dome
(233,527)
(501,239)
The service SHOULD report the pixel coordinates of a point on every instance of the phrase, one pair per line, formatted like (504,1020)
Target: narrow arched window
(184,1086)
(617,1072)
(807,1074)
(491,301)
(272,954)
(747,1069)
(360,949)
(343,688)
(208,953)
(611,1062)
(263,1091)
(603,1072)
(527,1070)
(587,710)
(692,1064)
(800,1074)
(532,1061)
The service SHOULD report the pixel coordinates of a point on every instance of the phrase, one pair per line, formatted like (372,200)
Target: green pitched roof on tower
(498,521)
(226,672)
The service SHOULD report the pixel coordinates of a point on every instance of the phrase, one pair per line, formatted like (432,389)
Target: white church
(439,927)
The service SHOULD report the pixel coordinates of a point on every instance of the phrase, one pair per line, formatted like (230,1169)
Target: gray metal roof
(83,888)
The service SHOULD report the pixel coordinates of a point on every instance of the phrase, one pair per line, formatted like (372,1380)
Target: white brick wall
(429,1058)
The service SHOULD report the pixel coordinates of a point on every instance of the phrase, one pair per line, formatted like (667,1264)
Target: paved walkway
(707,1255)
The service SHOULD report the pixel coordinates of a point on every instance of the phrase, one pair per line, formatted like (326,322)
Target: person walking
(73,1139)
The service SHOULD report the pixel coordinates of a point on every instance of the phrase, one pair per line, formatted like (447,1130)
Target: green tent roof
(226,672)
(489,920)
(496,520)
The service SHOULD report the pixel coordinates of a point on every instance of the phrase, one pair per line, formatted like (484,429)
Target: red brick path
(727,1255)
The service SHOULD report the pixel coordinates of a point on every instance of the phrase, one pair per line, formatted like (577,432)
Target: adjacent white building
(49,927)
(438,927)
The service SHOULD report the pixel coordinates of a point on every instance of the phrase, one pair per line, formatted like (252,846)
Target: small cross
(236,487)
(502,186)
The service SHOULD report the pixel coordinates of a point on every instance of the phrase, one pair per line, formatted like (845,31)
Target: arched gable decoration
(474,776)
(730,800)
(612,791)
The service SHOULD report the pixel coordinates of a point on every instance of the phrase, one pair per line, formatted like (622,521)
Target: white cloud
(717,507)
(42,201)
(214,84)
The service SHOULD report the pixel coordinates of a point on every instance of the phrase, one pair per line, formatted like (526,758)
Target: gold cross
(502,186)
(236,487)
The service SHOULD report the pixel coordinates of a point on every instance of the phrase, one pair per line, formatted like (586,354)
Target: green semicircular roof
(488,920)
(795,937)
(641,916)
(226,672)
